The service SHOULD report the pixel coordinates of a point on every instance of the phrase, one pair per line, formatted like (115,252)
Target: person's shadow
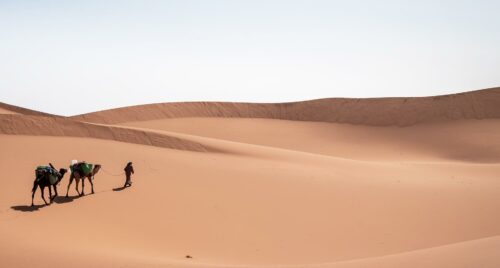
(118,189)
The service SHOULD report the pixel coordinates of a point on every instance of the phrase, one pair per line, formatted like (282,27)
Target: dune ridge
(473,253)
(12,109)
(480,104)
(14,124)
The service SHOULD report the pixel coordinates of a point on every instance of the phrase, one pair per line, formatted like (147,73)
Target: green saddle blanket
(47,170)
(85,168)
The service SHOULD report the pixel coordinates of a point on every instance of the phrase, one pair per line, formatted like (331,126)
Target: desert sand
(390,182)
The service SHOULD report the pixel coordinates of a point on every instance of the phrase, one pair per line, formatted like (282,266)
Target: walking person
(129,170)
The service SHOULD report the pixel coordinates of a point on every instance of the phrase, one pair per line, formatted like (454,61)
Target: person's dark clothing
(129,170)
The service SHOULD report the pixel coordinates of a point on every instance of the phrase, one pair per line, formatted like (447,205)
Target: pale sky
(71,57)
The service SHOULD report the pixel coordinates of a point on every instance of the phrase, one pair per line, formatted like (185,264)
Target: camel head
(96,169)
(60,176)
(62,171)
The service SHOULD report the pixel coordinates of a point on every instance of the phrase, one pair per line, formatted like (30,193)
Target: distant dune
(481,104)
(334,183)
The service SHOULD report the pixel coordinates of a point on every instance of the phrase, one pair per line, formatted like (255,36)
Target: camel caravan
(49,176)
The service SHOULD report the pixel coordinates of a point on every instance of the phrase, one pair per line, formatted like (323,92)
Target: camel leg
(83,186)
(91,184)
(71,178)
(77,182)
(43,195)
(55,190)
(50,193)
(35,186)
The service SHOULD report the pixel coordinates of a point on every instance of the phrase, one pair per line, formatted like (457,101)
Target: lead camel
(77,173)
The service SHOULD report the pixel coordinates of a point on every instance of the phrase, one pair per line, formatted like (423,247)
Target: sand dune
(456,140)
(282,207)
(476,253)
(481,104)
(233,191)
(55,126)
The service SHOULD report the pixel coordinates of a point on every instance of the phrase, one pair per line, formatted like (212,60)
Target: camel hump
(45,169)
(83,168)
(87,168)
(40,170)
(42,167)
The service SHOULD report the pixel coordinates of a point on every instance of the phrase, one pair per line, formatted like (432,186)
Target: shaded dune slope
(474,253)
(14,124)
(480,104)
(461,140)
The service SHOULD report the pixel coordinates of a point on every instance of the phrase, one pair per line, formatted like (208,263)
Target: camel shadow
(57,199)
(24,208)
(64,199)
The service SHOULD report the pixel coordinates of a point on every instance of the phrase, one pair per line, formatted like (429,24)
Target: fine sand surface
(234,191)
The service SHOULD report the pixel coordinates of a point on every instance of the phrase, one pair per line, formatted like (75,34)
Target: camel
(78,175)
(42,180)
